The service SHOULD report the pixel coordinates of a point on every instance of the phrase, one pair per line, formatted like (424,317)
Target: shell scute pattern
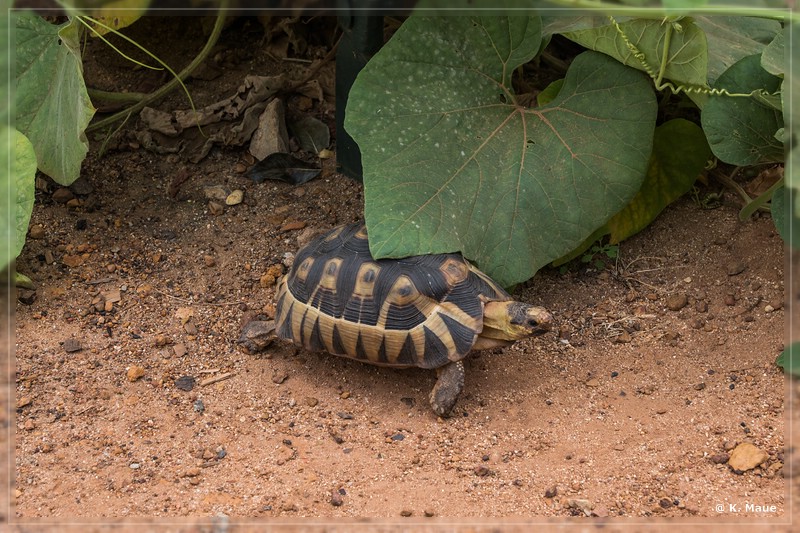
(420,311)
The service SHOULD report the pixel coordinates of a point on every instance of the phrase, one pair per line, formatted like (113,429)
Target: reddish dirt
(630,410)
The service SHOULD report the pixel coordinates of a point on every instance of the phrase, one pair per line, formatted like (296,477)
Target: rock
(699,386)
(257,335)
(209,260)
(719,458)
(746,456)
(82,186)
(429,512)
(37,232)
(406,512)
(72,261)
(336,498)
(72,345)
(593,382)
(235,198)
(585,506)
(481,471)
(293,225)
(185,383)
(551,492)
(676,302)
(216,192)
(270,135)
(311,401)
(63,195)
(701,306)
(735,267)
(135,372)
(279,377)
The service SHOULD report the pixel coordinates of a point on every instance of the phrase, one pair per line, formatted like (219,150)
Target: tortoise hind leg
(449,382)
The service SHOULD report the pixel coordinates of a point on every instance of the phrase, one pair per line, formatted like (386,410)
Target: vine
(658,77)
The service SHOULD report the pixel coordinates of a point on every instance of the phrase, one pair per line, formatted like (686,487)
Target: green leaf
(789,359)
(451,163)
(773,59)
(549,93)
(16,154)
(680,152)
(52,105)
(731,39)
(786,220)
(687,58)
(739,129)
(791,114)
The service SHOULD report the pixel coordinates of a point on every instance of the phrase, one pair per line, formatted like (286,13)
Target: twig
(216,379)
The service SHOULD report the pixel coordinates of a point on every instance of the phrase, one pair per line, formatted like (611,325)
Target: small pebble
(406,512)
(72,345)
(279,377)
(429,513)
(37,232)
(719,458)
(336,499)
(311,401)
(735,267)
(235,198)
(551,492)
(676,302)
(199,406)
(185,383)
(135,372)
(481,471)
(135,466)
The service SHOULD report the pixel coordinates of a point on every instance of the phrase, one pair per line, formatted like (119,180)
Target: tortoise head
(513,321)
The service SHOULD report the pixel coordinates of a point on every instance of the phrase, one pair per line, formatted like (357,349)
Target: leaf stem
(177,79)
(639,12)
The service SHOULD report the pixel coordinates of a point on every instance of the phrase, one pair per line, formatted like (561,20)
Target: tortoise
(426,311)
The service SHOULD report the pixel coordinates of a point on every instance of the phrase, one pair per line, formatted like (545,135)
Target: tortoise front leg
(449,383)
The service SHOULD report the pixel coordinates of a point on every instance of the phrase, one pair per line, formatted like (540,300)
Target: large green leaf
(52,106)
(686,62)
(733,38)
(680,152)
(740,129)
(452,163)
(786,220)
(16,154)
(773,59)
(791,114)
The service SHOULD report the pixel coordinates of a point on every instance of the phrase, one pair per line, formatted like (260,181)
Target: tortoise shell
(421,311)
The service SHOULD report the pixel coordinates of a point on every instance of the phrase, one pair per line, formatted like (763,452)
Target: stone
(37,232)
(135,372)
(746,456)
(676,302)
(271,135)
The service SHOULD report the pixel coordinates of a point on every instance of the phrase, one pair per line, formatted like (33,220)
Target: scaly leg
(449,383)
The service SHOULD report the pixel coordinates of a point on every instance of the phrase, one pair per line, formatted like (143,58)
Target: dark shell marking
(423,311)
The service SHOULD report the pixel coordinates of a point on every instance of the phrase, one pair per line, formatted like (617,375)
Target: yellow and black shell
(422,311)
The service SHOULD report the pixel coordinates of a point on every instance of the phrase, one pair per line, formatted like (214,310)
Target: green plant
(595,255)
(52,108)
(789,359)
(454,159)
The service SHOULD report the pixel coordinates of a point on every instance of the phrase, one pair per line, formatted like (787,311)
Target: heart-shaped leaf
(53,107)
(680,152)
(18,157)
(740,129)
(687,60)
(452,163)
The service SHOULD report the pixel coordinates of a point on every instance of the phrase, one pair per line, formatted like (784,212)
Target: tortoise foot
(449,383)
